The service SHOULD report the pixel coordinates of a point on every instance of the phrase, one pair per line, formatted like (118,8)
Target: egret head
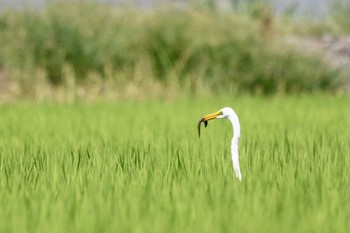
(225,113)
(222,113)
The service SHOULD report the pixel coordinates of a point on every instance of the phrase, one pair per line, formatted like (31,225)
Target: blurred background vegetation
(83,49)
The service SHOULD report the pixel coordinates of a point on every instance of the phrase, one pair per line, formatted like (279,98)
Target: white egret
(229,114)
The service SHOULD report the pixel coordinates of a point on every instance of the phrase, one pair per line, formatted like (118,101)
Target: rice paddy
(139,166)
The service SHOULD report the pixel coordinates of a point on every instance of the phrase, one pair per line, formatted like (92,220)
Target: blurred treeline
(105,49)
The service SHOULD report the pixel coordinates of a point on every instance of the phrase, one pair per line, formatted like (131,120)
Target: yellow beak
(211,116)
(207,118)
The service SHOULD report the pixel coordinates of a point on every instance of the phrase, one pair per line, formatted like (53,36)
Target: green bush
(340,16)
(189,47)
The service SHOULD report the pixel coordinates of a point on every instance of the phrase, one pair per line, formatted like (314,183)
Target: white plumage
(229,114)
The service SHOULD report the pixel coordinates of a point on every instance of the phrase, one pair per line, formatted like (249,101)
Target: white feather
(230,114)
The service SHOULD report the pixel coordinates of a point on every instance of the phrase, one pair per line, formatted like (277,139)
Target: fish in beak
(207,118)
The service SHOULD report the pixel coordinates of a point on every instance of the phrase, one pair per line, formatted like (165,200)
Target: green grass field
(138,166)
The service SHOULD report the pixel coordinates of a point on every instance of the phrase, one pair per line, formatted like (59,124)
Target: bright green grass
(140,167)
